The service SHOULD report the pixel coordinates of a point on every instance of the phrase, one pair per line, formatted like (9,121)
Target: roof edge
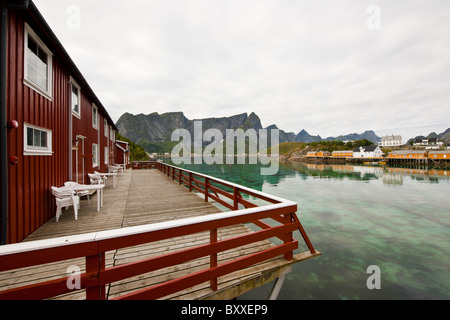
(65,55)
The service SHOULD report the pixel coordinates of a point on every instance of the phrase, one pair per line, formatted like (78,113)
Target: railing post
(213,258)
(179,173)
(206,189)
(190,181)
(288,237)
(94,265)
(235,198)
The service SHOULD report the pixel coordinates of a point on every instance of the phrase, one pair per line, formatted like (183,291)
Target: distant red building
(123,153)
(54,128)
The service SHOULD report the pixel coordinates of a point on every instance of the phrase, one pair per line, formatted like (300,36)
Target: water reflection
(249,175)
(392,176)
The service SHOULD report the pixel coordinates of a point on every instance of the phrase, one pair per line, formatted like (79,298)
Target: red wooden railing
(93,246)
(143,165)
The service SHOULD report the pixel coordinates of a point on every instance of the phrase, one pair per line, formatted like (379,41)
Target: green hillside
(137,153)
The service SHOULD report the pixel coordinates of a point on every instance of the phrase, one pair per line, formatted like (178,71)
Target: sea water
(397,219)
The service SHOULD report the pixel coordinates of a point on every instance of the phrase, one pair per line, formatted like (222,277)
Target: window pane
(32,45)
(42,68)
(43,139)
(29,137)
(75,100)
(32,74)
(42,55)
(94,116)
(37,138)
(42,82)
(32,59)
(94,154)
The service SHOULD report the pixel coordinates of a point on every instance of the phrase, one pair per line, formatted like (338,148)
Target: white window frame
(46,93)
(94,155)
(74,84)
(35,150)
(94,116)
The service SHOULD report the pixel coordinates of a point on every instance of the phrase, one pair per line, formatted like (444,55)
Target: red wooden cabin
(54,128)
(123,154)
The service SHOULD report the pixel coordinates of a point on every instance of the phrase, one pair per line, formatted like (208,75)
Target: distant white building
(391,141)
(367,152)
(431,143)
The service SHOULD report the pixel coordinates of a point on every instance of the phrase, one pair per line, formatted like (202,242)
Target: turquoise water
(358,216)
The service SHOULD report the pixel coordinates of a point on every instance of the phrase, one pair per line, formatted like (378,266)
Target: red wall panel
(30,201)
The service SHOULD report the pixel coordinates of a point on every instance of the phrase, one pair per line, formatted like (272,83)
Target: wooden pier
(157,229)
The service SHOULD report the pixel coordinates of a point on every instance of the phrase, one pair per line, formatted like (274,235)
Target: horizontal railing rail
(143,165)
(94,246)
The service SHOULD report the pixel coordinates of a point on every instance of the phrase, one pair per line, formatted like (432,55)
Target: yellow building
(343,154)
(439,155)
(409,154)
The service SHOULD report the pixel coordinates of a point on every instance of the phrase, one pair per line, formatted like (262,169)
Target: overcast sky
(329,67)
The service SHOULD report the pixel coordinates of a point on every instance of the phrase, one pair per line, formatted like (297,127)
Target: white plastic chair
(118,167)
(65,199)
(95,179)
(101,177)
(112,169)
(81,193)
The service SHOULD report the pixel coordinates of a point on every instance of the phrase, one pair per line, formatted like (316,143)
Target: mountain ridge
(156,128)
(443,136)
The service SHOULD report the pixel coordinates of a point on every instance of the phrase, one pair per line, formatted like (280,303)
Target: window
(94,155)
(106,128)
(37,141)
(106,155)
(76,99)
(38,64)
(94,116)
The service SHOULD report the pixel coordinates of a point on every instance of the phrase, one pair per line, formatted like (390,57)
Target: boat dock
(159,235)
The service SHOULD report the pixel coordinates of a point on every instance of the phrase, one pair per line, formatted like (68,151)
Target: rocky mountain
(152,127)
(154,131)
(159,128)
(369,135)
(444,136)
(304,136)
(284,136)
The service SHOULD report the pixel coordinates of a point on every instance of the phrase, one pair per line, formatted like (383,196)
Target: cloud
(310,65)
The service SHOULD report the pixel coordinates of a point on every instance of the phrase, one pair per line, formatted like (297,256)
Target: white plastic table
(81,187)
(111,174)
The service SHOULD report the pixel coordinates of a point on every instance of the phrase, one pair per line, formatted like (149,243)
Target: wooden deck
(146,197)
